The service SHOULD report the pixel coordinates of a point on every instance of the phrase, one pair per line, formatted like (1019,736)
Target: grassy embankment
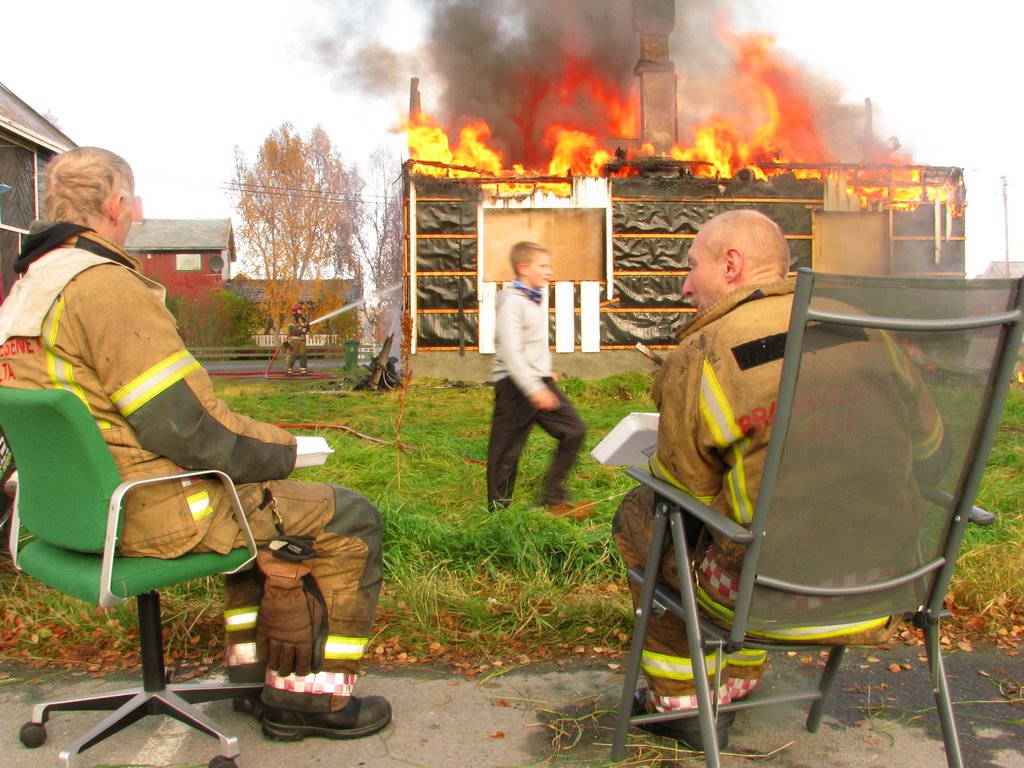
(464,585)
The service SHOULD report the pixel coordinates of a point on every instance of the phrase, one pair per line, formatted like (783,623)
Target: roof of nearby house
(178,235)
(998,269)
(19,118)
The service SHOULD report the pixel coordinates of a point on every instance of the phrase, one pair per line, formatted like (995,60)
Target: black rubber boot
(686,730)
(359,717)
(250,705)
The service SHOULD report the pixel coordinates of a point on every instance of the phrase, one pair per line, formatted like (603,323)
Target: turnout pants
(514,417)
(296,351)
(346,533)
(667,661)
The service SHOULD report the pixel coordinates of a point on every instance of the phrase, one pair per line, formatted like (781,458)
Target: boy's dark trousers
(514,417)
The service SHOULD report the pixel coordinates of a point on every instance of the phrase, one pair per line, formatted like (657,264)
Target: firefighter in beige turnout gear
(298,328)
(715,393)
(309,608)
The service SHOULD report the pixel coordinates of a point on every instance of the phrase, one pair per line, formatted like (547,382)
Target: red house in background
(183,254)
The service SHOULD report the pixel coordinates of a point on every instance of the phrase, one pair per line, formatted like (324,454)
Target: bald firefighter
(89,322)
(715,392)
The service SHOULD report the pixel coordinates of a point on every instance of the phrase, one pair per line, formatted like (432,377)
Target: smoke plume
(507,63)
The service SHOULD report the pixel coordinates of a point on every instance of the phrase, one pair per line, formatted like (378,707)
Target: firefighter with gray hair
(96,326)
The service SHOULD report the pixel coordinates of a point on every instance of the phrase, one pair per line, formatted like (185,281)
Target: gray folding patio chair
(844,528)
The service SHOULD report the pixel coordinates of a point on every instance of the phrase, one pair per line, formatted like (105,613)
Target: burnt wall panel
(627,328)
(649,253)
(921,222)
(446,254)
(439,187)
(784,185)
(680,217)
(918,256)
(662,216)
(670,187)
(744,185)
(447,330)
(913,256)
(446,292)
(445,217)
(650,291)
(800,254)
(954,256)
(793,218)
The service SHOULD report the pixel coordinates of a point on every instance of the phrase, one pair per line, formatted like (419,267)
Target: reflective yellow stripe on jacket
(60,370)
(151,383)
(925,447)
(811,633)
(660,471)
(726,431)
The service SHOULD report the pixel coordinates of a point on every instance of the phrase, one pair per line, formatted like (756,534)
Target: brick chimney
(655,20)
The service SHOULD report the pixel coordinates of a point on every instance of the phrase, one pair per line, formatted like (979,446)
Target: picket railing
(264,353)
(313,340)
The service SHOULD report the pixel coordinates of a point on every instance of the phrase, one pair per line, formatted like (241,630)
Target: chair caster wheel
(222,762)
(32,735)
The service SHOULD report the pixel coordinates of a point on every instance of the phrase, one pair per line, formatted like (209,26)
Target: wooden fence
(264,353)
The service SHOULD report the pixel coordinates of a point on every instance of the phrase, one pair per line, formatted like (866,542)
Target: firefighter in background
(297,330)
(301,620)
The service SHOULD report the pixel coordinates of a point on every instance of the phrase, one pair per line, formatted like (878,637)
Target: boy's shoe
(571,510)
(686,730)
(359,717)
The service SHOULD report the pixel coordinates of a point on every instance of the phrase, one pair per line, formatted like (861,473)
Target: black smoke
(501,60)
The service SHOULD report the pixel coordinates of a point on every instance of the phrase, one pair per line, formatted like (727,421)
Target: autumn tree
(293,202)
(374,237)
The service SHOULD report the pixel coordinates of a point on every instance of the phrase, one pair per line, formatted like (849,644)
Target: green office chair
(69,499)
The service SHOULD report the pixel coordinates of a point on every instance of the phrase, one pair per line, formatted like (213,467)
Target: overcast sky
(174,87)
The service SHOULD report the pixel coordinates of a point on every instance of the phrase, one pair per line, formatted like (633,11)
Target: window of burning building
(575,237)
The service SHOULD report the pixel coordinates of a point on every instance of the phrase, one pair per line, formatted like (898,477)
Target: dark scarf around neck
(38,244)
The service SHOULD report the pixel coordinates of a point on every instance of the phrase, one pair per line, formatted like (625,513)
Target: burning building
(619,221)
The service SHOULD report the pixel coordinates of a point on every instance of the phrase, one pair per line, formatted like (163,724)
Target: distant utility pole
(1006,227)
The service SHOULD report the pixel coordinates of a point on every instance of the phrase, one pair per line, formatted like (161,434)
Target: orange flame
(773,132)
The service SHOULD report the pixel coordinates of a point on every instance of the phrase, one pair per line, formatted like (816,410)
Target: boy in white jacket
(524,388)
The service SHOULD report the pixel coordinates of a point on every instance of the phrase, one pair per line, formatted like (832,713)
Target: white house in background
(997,269)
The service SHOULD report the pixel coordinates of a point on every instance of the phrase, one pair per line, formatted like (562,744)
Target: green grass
(462,583)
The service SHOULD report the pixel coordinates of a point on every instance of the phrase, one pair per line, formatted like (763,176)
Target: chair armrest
(978,516)
(709,516)
(107,597)
(14,532)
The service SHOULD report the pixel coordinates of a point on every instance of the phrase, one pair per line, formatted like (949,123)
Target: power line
(304,193)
